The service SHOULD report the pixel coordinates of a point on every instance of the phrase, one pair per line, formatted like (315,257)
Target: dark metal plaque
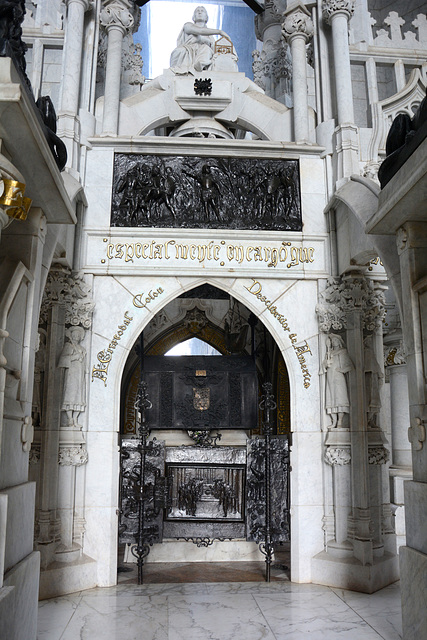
(206,192)
(255,490)
(206,493)
(155,490)
(225,397)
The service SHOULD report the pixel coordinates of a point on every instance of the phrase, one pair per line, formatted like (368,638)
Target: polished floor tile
(278,610)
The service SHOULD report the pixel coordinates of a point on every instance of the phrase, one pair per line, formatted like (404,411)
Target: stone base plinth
(61,578)
(349,573)
(183,551)
(413,579)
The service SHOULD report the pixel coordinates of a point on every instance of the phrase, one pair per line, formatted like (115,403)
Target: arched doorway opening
(209,478)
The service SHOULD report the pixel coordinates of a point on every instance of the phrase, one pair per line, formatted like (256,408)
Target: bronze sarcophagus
(202,392)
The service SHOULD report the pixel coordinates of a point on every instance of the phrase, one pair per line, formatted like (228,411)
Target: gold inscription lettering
(255,289)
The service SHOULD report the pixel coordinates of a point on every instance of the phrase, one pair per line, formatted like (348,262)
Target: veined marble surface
(222,611)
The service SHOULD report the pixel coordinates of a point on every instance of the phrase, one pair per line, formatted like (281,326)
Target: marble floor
(245,610)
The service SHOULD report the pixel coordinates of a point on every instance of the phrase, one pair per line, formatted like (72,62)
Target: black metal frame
(150,499)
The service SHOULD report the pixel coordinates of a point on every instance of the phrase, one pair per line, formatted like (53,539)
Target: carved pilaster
(332,7)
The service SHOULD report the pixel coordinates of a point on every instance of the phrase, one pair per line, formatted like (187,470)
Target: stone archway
(204,325)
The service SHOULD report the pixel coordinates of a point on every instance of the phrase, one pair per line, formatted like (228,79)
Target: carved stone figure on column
(195,44)
(73,360)
(373,378)
(336,364)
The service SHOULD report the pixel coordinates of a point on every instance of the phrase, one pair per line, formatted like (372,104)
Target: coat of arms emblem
(201,398)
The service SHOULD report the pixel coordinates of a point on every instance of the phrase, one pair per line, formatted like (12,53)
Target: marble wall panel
(13,460)
(20,523)
(307,469)
(101,542)
(306,539)
(103,453)
(99,205)
(314,219)
(312,175)
(18,612)
(416,505)
(413,577)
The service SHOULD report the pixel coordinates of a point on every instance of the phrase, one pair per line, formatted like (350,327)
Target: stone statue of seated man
(195,44)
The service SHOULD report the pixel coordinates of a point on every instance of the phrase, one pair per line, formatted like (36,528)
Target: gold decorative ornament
(15,204)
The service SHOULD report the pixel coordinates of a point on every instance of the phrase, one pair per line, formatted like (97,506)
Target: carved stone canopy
(71,292)
(346,293)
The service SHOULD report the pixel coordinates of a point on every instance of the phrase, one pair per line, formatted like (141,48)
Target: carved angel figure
(336,364)
(73,360)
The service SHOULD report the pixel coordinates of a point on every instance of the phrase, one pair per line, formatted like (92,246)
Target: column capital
(331,8)
(297,23)
(116,15)
(347,294)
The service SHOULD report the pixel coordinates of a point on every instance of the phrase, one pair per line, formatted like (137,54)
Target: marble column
(68,122)
(337,13)
(272,65)
(117,20)
(73,55)
(297,29)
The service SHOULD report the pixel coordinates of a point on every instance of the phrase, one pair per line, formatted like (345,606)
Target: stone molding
(74,456)
(118,16)
(331,7)
(378,455)
(337,456)
(346,293)
(86,4)
(297,24)
(27,434)
(70,291)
